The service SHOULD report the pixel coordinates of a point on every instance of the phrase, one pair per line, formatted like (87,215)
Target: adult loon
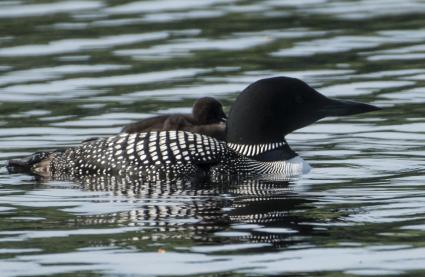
(261,116)
(207,118)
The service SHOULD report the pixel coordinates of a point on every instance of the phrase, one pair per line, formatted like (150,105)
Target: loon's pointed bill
(338,107)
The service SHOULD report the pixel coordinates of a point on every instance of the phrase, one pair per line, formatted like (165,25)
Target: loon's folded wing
(141,153)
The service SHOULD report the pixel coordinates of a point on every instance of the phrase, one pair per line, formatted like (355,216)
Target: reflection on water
(70,70)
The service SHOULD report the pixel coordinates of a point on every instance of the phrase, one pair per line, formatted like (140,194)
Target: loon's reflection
(197,209)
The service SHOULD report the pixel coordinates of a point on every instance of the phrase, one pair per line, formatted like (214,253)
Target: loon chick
(207,118)
(261,116)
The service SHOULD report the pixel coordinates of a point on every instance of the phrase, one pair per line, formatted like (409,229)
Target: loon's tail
(28,164)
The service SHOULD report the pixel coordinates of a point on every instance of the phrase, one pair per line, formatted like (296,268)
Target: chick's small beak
(223,117)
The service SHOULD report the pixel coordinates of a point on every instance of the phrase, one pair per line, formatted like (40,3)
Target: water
(70,70)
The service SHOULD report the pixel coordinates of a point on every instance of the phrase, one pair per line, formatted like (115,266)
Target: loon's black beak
(337,107)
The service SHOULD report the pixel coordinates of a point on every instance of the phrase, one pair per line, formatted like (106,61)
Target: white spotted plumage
(173,152)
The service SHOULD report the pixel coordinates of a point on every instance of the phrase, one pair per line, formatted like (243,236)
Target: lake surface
(70,70)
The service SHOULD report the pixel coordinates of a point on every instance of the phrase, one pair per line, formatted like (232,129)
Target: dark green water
(71,70)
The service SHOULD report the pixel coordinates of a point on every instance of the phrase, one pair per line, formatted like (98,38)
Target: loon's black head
(207,110)
(269,109)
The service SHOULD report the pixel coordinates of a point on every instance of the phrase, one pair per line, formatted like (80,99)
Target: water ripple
(71,70)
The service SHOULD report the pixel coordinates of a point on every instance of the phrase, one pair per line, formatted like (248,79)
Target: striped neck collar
(250,150)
